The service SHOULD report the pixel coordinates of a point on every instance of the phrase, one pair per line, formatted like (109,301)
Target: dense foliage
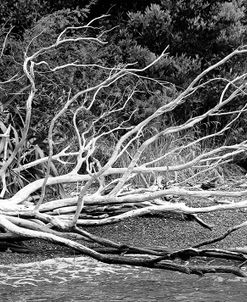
(195,33)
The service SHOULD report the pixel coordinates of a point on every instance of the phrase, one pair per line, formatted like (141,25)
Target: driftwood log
(108,192)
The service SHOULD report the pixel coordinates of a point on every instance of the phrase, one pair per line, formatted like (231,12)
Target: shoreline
(168,230)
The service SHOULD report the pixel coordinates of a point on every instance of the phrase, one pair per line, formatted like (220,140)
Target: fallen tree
(128,183)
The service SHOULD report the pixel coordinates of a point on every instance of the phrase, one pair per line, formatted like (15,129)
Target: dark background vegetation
(197,34)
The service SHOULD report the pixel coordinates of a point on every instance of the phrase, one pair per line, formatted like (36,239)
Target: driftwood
(109,193)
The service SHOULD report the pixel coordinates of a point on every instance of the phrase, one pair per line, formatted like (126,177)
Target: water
(85,279)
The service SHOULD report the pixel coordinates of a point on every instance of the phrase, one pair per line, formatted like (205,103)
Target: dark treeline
(197,34)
